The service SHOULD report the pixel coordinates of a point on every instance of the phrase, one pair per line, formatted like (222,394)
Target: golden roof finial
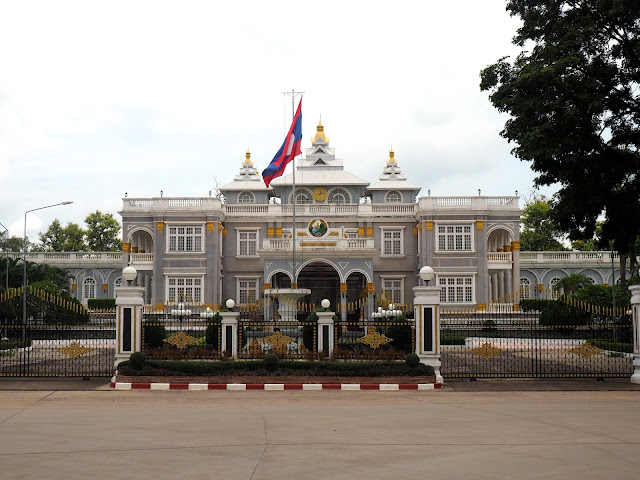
(247,160)
(320,132)
(392,160)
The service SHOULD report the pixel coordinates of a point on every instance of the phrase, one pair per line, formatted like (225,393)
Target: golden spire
(392,160)
(247,162)
(320,133)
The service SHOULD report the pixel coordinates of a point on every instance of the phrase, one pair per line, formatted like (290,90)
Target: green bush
(101,303)
(271,362)
(154,335)
(401,335)
(137,360)
(212,334)
(412,360)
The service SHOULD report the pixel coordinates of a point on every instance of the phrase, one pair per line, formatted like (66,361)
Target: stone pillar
(635,310)
(326,333)
(229,326)
(129,302)
(427,317)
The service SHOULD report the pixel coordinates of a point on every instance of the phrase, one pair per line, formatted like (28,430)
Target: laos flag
(291,148)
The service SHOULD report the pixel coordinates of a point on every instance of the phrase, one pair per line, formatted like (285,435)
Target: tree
(539,230)
(12,244)
(574,107)
(572,283)
(103,232)
(62,239)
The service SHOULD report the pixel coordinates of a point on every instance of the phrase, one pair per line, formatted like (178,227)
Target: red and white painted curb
(275,386)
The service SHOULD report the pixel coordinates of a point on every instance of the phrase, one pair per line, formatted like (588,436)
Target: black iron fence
(557,340)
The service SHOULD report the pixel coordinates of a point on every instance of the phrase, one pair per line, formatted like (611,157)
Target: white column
(325,328)
(229,325)
(129,301)
(501,287)
(427,316)
(635,308)
(508,285)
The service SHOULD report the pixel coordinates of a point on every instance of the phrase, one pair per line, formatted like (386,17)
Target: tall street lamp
(6,288)
(24,260)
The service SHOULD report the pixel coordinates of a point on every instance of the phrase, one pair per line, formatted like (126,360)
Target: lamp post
(24,259)
(129,274)
(6,288)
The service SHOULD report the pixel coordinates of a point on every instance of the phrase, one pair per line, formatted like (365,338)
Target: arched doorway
(323,281)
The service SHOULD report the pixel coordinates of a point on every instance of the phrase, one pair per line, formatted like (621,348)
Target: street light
(6,289)
(427,274)
(325,304)
(129,274)
(24,259)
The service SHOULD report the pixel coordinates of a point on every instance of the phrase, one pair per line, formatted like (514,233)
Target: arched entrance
(323,281)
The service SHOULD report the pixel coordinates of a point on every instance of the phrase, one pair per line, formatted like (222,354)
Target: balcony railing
(325,244)
(499,257)
(567,257)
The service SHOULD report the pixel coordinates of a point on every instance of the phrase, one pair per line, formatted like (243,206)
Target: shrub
(212,334)
(154,335)
(271,362)
(412,360)
(401,335)
(101,303)
(137,360)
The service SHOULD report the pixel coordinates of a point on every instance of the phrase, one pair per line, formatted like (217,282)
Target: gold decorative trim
(482,307)
(209,226)
(318,244)
(429,225)
(515,246)
(279,342)
(74,350)
(415,231)
(278,232)
(486,350)
(134,249)
(480,225)
(361,231)
(224,232)
(160,226)
(371,287)
(369,231)
(270,232)
(334,234)
(586,350)
(302,234)
(516,307)
(180,340)
(507,248)
(126,247)
(374,339)
(343,287)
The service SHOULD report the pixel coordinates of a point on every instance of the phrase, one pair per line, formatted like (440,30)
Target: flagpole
(294,284)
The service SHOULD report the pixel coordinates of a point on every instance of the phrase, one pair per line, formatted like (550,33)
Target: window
(456,289)
(185,239)
(392,242)
(247,290)
(303,197)
(525,287)
(393,197)
(339,196)
(454,238)
(185,289)
(247,243)
(246,197)
(89,288)
(394,288)
(118,282)
(553,287)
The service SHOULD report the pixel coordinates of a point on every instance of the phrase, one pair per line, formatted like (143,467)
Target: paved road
(445,434)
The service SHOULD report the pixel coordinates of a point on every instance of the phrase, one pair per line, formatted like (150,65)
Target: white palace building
(351,236)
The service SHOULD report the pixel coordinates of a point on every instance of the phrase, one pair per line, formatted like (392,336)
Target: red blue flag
(291,148)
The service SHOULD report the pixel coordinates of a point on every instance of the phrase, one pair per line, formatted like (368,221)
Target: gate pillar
(325,332)
(427,317)
(230,333)
(635,307)
(129,302)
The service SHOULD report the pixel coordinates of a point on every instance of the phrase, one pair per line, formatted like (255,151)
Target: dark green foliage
(412,360)
(307,331)
(539,230)
(212,334)
(271,362)
(137,360)
(339,369)
(572,99)
(602,296)
(452,338)
(401,335)
(101,303)
(154,335)
(613,346)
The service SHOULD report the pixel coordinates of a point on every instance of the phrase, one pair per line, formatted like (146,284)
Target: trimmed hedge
(101,303)
(285,368)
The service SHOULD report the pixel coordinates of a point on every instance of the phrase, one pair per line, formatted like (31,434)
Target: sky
(102,98)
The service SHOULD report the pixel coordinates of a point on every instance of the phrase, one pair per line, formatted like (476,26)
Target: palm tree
(572,283)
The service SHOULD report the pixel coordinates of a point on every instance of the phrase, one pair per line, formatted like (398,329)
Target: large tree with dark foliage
(573,96)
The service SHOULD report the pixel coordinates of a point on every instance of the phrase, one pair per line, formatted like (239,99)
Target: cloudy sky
(102,98)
